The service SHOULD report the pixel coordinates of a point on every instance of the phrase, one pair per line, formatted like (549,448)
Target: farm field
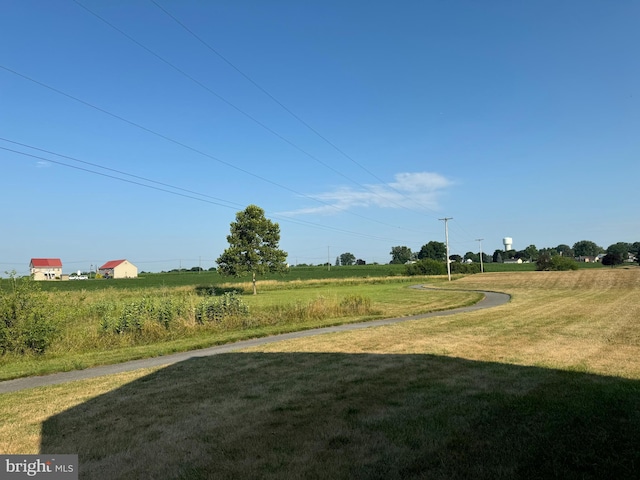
(188,278)
(546,386)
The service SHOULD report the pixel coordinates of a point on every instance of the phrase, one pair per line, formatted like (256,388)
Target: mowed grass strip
(547,386)
(586,320)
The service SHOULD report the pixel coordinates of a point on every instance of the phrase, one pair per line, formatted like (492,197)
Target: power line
(247,115)
(115,171)
(133,182)
(263,90)
(231,205)
(183,145)
(282,105)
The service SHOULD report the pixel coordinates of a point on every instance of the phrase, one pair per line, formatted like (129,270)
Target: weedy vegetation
(53,331)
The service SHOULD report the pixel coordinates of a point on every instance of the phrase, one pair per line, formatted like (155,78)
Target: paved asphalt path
(491,299)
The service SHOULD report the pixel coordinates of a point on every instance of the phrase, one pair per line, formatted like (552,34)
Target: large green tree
(564,250)
(400,254)
(347,258)
(530,253)
(612,259)
(586,248)
(433,250)
(620,250)
(253,246)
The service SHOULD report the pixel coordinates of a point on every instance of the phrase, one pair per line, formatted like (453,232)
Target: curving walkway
(491,299)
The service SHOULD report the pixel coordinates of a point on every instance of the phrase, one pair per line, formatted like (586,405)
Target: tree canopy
(612,259)
(253,245)
(586,248)
(400,254)
(564,250)
(433,250)
(347,258)
(620,249)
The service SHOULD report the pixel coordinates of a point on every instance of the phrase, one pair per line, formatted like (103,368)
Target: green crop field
(210,278)
(188,278)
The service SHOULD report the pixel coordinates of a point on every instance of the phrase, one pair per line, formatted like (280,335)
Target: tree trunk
(254,284)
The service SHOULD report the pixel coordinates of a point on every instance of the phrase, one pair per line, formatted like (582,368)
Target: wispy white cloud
(417,191)
(43,164)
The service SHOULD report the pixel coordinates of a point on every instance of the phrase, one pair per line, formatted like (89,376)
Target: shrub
(465,268)
(563,263)
(426,266)
(215,309)
(134,315)
(165,312)
(354,304)
(26,319)
(547,262)
(544,262)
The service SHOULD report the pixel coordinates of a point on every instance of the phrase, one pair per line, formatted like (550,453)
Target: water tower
(508,243)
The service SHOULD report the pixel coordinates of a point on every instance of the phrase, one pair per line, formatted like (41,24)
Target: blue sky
(355,125)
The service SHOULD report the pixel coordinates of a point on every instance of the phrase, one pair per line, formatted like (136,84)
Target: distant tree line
(348,258)
(615,254)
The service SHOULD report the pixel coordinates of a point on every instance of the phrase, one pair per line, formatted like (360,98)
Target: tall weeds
(315,309)
(27,320)
(64,323)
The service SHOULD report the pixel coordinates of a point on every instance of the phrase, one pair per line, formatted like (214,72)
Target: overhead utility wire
(114,177)
(286,109)
(217,95)
(249,116)
(231,206)
(118,171)
(195,150)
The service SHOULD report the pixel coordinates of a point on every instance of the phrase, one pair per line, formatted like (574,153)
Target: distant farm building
(45,268)
(118,269)
(588,258)
(513,260)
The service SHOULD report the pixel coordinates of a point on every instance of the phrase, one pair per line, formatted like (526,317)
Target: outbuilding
(118,269)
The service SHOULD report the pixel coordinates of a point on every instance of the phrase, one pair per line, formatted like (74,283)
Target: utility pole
(328,258)
(446,237)
(481,264)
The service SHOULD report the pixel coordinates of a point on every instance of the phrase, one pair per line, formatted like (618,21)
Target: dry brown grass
(586,320)
(23,413)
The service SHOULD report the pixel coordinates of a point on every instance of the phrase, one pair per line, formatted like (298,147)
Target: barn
(118,269)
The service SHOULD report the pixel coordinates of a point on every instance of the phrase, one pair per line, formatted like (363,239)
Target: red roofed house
(45,268)
(118,269)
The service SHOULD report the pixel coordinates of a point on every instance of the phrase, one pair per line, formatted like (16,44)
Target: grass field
(547,386)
